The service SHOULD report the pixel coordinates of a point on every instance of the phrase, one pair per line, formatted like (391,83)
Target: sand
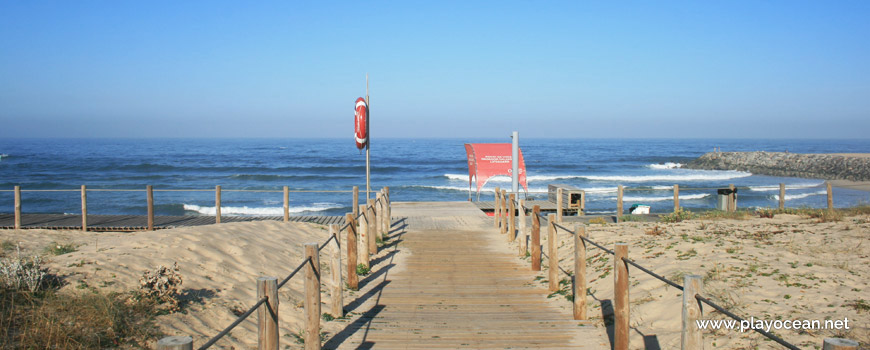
(785,267)
(854,185)
(219,265)
(788,267)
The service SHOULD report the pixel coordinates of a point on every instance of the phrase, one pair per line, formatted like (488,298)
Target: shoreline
(852,185)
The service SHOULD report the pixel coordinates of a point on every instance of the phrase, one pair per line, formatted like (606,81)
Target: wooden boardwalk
(140,222)
(448,280)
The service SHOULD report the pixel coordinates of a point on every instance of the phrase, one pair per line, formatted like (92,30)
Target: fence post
(692,338)
(781,196)
(620,292)
(217,204)
(496,207)
(676,198)
(559,204)
(267,314)
(579,273)
(732,199)
(352,278)
(355,205)
(839,344)
(521,230)
(312,298)
(512,218)
(536,238)
(84,208)
(335,267)
(619,190)
(17,207)
(389,213)
(372,238)
(830,195)
(552,253)
(286,204)
(149,195)
(380,222)
(364,233)
(179,342)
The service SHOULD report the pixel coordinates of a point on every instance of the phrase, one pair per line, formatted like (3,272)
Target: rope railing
(267,287)
(738,318)
(667,281)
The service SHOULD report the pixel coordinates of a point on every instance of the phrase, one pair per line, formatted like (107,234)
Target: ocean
(415,170)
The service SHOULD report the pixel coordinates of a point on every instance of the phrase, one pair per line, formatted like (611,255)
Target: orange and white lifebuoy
(360,114)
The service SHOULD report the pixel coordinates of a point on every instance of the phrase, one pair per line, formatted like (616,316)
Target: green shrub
(362,270)
(678,215)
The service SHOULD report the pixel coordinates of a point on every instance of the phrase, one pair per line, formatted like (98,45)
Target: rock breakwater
(854,167)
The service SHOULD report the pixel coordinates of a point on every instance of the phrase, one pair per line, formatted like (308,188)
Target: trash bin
(722,203)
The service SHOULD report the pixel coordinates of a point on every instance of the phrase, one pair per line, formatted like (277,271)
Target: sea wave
(698,176)
(788,187)
(260,211)
(668,198)
(668,165)
(800,195)
(502,178)
(465,188)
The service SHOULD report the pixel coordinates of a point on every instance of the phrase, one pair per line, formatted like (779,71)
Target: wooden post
(676,198)
(620,292)
(364,233)
(372,238)
(286,204)
(495,207)
(217,204)
(504,211)
(692,338)
(579,272)
(553,254)
(389,213)
(781,196)
(85,209)
(830,196)
(355,205)
(267,314)
(839,344)
(619,190)
(559,204)
(732,199)
(179,342)
(312,298)
(352,278)
(382,204)
(536,238)
(149,195)
(512,219)
(335,267)
(17,207)
(521,229)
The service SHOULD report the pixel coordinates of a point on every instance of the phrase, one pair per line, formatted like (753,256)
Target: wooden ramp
(448,280)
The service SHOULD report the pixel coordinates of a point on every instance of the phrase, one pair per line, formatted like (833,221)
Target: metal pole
(368,143)
(515,163)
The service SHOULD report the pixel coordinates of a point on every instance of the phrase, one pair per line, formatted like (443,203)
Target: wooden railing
(501,205)
(149,200)
(372,220)
(692,287)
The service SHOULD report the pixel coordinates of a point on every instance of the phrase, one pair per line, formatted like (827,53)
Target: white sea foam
(473,189)
(668,165)
(702,175)
(668,198)
(501,178)
(788,187)
(800,195)
(264,211)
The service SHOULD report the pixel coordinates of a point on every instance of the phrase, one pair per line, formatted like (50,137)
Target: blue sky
(761,69)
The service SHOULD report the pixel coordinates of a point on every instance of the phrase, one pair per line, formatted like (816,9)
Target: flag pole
(368,142)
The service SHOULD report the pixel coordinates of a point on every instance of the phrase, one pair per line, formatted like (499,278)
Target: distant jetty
(853,166)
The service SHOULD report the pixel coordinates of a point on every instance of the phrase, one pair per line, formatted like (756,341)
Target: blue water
(415,170)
